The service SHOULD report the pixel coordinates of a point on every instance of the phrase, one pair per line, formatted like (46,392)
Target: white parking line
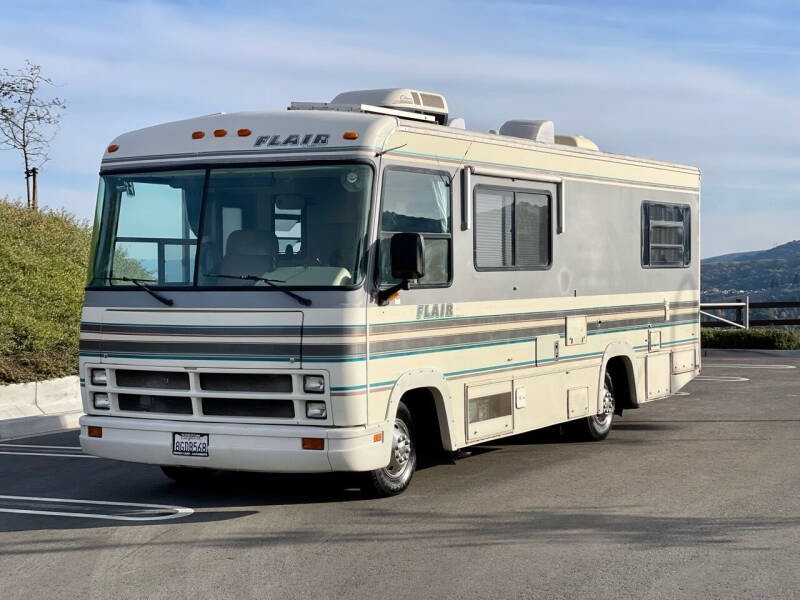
(726,379)
(67,454)
(39,446)
(738,366)
(177,511)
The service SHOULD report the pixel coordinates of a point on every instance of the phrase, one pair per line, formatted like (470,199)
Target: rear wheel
(597,427)
(395,477)
(188,475)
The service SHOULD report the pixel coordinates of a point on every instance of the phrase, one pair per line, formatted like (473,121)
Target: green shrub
(760,339)
(42,275)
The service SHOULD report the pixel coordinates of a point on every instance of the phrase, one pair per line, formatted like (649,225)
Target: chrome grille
(173,405)
(165,380)
(209,394)
(246,382)
(243,407)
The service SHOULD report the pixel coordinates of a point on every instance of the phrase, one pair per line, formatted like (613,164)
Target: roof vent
(538,131)
(402,102)
(576,141)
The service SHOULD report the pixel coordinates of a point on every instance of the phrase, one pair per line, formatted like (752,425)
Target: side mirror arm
(385,295)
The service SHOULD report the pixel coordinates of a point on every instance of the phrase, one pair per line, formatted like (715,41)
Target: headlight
(99,377)
(316,410)
(314,384)
(102,401)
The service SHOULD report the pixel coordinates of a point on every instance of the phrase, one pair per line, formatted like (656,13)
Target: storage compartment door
(489,410)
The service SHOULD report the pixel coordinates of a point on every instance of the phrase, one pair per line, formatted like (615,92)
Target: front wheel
(395,477)
(597,427)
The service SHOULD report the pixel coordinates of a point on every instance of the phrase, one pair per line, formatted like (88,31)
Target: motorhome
(355,284)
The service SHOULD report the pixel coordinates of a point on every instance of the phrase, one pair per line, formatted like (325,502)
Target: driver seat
(250,252)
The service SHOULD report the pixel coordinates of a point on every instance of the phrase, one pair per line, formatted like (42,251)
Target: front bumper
(266,448)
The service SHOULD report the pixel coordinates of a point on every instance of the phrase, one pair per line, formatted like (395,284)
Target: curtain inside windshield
(295,226)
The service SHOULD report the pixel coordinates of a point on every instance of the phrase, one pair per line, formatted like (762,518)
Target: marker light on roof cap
(220,133)
(113,148)
(243,132)
(350,135)
(197,135)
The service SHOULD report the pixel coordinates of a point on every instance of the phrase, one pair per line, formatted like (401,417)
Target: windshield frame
(207,167)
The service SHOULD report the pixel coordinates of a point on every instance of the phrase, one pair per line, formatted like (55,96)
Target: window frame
(687,236)
(209,166)
(514,191)
(380,233)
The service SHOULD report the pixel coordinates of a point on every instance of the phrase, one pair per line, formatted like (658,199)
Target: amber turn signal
(350,135)
(113,148)
(243,132)
(378,437)
(197,135)
(313,443)
(94,431)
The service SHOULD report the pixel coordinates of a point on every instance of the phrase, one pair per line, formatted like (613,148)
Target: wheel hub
(401,450)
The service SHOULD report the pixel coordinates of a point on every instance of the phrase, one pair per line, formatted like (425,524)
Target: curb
(37,425)
(39,407)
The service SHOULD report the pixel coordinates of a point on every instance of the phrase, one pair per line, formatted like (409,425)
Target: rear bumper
(266,448)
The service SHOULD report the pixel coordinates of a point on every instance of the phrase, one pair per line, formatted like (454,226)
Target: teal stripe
(358,359)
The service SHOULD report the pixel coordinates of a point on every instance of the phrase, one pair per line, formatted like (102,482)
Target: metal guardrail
(742,319)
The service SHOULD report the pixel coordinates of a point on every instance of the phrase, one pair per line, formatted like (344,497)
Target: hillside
(776,271)
(789,251)
(43,260)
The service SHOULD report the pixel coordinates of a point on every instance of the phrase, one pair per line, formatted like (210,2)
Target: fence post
(747,312)
(739,315)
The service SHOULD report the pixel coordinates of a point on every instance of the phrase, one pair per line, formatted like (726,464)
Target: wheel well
(621,371)
(421,403)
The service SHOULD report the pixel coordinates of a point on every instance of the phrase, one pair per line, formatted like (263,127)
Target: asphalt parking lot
(696,496)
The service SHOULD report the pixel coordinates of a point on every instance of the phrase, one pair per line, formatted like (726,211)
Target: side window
(417,202)
(666,239)
(512,229)
(288,227)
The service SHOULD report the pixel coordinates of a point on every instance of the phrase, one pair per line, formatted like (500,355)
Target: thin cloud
(620,80)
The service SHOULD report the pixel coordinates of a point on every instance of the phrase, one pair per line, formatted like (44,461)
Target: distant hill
(788,251)
(764,275)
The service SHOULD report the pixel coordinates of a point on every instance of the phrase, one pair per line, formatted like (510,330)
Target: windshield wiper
(270,282)
(138,282)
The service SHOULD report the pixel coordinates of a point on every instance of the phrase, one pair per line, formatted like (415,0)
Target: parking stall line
(174,512)
(39,446)
(746,366)
(64,455)
(720,378)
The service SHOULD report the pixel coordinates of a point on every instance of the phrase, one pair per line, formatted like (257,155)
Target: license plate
(190,444)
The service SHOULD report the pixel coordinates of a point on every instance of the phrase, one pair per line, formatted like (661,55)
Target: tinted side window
(417,202)
(666,240)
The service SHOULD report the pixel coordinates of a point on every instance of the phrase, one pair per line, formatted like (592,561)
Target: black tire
(596,427)
(186,475)
(395,477)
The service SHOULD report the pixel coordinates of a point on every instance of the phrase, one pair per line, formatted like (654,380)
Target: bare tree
(28,123)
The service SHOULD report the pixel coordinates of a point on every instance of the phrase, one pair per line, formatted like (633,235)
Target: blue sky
(713,84)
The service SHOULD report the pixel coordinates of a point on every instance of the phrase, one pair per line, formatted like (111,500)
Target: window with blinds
(666,240)
(512,229)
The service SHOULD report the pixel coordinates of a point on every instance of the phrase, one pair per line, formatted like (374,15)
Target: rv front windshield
(301,226)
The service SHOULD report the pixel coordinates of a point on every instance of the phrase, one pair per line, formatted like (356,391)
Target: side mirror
(408,256)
